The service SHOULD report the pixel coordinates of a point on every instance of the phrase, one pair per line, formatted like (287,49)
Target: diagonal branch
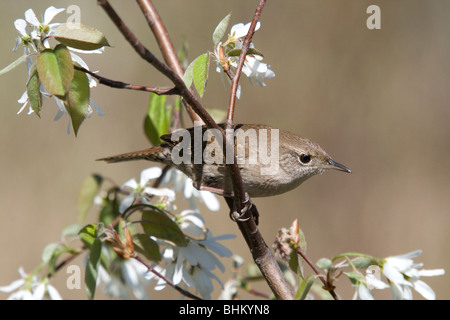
(165,44)
(147,55)
(123,85)
(161,35)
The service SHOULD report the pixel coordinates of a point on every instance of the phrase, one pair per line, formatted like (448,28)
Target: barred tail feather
(157,154)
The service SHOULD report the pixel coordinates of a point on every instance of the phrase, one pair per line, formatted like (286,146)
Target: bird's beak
(338,166)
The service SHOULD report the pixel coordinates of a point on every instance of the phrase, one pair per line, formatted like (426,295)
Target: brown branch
(165,44)
(161,35)
(124,85)
(239,193)
(144,53)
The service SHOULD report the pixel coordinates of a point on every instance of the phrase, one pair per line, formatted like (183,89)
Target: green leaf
(364,262)
(221,29)
(34,94)
(157,121)
(91,274)
(77,102)
(55,70)
(304,287)
(189,74)
(79,36)
(89,189)
(354,277)
(14,64)
(87,235)
(158,224)
(352,254)
(110,209)
(200,73)
(146,246)
(324,263)
(49,251)
(295,263)
(71,230)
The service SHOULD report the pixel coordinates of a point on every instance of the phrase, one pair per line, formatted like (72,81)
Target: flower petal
(21,26)
(161,192)
(364,293)
(240,30)
(149,174)
(53,293)
(401,264)
(126,203)
(425,290)
(396,291)
(132,184)
(30,16)
(409,255)
(39,292)
(210,200)
(392,273)
(16,284)
(96,107)
(431,273)
(50,13)
(188,188)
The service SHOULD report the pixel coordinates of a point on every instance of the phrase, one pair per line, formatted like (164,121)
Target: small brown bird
(271,161)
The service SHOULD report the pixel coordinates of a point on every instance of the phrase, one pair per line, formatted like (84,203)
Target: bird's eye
(305,158)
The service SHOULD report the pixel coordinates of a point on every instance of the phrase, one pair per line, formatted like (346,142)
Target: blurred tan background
(377,100)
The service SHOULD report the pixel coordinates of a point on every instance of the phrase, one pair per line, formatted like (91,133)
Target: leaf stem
(317,272)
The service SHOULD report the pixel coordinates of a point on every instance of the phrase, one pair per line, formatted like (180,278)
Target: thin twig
(238,188)
(244,50)
(72,256)
(239,192)
(124,85)
(317,272)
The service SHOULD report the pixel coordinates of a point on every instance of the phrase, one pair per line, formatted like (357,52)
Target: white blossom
(181,183)
(403,275)
(30,287)
(29,39)
(142,191)
(256,70)
(129,281)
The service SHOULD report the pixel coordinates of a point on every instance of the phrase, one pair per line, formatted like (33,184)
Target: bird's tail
(157,154)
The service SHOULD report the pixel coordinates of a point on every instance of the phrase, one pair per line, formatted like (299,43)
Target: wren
(271,161)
